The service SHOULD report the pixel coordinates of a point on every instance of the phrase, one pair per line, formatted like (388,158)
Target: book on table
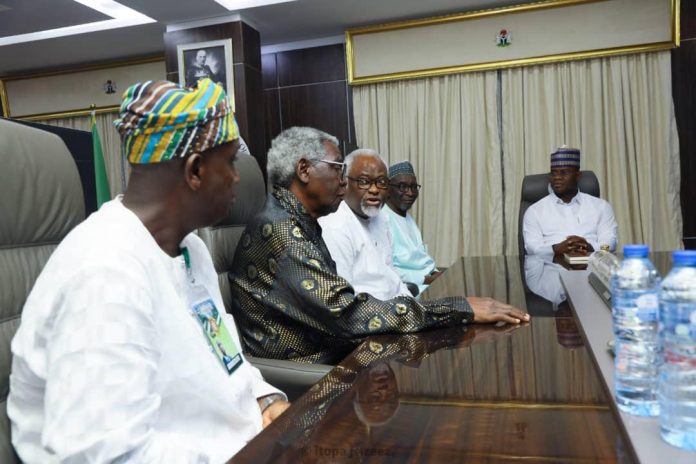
(573,258)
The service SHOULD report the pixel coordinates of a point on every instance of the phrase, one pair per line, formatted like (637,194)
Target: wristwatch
(266,401)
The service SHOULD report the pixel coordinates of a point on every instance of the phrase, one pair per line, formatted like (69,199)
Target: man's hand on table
(273,411)
(431,277)
(488,310)
(573,244)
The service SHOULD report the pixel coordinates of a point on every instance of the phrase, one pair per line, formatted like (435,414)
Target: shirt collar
(574,200)
(290,203)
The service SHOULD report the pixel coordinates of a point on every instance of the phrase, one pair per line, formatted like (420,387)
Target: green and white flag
(101,181)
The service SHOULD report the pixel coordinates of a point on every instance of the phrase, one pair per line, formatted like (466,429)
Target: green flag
(101,181)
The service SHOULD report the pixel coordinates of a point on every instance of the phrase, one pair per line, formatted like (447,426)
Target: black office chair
(536,186)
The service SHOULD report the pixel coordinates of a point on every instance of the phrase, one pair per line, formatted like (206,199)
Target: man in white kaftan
(568,221)
(357,236)
(112,361)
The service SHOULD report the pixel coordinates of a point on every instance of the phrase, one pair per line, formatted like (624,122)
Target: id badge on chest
(214,328)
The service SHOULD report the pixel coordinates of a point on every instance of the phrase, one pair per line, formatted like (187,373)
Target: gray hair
(289,147)
(362,152)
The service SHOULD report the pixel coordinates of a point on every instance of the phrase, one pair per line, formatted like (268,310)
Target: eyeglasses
(402,188)
(381,183)
(335,163)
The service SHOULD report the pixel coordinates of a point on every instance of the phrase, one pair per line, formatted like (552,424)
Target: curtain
(619,112)
(472,139)
(447,127)
(117,169)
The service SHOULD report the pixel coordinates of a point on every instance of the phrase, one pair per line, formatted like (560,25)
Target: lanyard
(209,318)
(187,262)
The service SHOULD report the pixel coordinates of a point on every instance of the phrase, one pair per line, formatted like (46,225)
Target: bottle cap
(635,251)
(684,258)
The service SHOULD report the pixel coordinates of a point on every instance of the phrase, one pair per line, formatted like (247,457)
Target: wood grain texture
(311,91)
(269,71)
(311,65)
(688,19)
(464,394)
(322,106)
(272,119)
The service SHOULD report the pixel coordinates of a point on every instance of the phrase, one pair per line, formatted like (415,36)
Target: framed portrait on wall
(212,59)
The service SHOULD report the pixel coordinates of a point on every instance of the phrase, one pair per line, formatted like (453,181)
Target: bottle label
(646,306)
(679,325)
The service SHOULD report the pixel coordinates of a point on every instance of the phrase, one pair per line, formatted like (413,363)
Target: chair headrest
(40,189)
(535,186)
(251,192)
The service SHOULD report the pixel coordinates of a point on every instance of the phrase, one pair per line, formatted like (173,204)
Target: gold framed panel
(353,36)
(85,102)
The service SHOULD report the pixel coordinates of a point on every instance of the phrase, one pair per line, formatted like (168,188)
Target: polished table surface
(474,394)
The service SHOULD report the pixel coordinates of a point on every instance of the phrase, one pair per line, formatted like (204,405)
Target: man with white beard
(357,236)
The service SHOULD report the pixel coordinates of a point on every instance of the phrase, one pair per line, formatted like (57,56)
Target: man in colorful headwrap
(291,303)
(568,220)
(410,255)
(111,362)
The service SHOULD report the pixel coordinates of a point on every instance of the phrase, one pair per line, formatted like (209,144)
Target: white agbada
(551,220)
(542,276)
(109,362)
(362,250)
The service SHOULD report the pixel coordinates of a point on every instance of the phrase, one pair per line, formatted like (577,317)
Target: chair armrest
(293,378)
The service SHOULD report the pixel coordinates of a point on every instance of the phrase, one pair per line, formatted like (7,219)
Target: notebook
(571,258)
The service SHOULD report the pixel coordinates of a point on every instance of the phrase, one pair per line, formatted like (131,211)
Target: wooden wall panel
(684,94)
(251,47)
(256,129)
(688,19)
(269,73)
(308,87)
(322,106)
(311,65)
(271,107)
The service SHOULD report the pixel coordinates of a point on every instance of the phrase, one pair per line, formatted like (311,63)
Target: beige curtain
(448,128)
(619,112)
(116,168)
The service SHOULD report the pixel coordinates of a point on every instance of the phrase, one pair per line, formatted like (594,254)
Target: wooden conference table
(471,394)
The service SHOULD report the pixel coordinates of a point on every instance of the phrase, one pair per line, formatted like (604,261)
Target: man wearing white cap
(568,220)
(409,254)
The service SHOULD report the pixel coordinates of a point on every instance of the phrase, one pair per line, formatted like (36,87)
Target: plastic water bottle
(634,288)
(677,385)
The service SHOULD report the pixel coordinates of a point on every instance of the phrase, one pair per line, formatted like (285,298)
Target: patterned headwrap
(161,121)
(565,157)
(402,168)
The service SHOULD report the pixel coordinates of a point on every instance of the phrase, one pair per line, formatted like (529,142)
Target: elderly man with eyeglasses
(289,300)
(358,235)
(409,254)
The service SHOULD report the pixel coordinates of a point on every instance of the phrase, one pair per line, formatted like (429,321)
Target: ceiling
(279,23)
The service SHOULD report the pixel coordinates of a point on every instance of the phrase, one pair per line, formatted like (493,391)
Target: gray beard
(370,211)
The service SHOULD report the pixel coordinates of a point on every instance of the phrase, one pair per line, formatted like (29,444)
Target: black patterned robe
(289,302)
